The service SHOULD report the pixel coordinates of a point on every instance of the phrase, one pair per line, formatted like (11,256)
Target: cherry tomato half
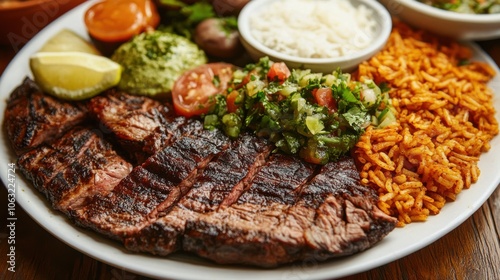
(120,20)
(193,91)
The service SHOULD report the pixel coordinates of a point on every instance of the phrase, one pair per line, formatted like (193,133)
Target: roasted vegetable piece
(218,37)
(228,7)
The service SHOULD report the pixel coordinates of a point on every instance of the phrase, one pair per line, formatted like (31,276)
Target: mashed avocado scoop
(152,61)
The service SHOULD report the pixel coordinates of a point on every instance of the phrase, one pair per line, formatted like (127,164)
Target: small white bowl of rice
(321,35)
(460,23)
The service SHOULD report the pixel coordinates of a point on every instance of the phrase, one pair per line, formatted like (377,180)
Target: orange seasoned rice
(445,121)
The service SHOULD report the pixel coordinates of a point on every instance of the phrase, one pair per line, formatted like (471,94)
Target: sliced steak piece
(140,125)
(346,218)
(246,231)
(230,170)
(167,133)
(333,216)
(129,119)
(343,215)
(33,117)
(153,187)
(74,168)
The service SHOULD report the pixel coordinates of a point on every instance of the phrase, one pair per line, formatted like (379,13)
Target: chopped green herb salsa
(466,6)
(315,116)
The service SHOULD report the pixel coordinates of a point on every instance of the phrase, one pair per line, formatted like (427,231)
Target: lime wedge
(74,75)
(66,41)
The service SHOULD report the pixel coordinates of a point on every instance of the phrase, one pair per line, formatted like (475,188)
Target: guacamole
(152,61)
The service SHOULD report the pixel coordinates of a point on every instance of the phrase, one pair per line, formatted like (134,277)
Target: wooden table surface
(471,251)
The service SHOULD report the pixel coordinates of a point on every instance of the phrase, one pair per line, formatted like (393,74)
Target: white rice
(314,28)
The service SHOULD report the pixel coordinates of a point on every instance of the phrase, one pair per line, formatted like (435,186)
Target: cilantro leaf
(197,12)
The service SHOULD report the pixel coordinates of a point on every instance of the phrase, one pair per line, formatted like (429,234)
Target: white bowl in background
(447,23)
(347,63)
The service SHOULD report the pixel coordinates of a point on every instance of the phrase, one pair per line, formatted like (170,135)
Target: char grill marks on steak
(153,187)
(242,232)
(74,168)
(33,118)
(191,189)
(333,215)
(224,177)
(142,126)
(344,215)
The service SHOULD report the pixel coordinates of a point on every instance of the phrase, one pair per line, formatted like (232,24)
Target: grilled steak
(33,118)
(153,187)
(129,118)
(238,233)
(223,179)
(191,189)
(140,125)
(346,217)
(74,168)
(331,216)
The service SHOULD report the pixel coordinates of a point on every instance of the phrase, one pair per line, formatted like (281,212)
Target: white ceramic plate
(397,244)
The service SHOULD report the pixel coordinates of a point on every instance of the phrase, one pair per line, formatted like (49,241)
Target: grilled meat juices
(127,167)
